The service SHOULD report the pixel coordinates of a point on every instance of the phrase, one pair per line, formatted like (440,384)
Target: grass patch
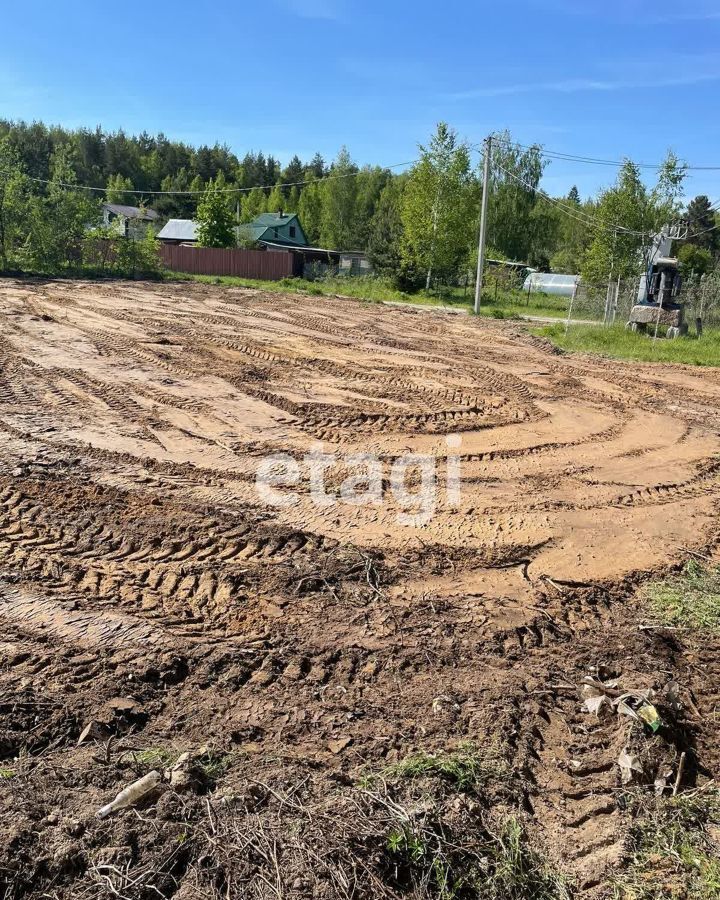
(675,851)
(213,764)
(618,343)
(500,305)
(466,768)
(503,866)
(154,757)
(443,839)
(519,871)
(690,599)
(516,304)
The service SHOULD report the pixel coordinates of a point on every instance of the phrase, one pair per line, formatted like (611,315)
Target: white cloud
(580,85)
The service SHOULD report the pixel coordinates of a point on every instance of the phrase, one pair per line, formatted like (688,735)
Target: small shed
(178,231)
(354,262)
(130,221)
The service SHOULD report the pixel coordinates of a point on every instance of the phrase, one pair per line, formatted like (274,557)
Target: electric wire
(591,160)
(577,214)
(574,213)
(236,190)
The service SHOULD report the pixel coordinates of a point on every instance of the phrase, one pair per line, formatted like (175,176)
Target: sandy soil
(145,588)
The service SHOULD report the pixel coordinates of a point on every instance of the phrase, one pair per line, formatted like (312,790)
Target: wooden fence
(264,264)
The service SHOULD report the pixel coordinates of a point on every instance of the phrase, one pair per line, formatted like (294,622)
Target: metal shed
(178,231)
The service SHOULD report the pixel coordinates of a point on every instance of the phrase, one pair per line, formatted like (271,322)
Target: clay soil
(146,590)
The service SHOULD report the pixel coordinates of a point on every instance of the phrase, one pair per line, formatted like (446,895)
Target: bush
(99,250)
(138,258)
(408,278)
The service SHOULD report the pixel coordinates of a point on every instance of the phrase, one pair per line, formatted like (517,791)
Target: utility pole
(483,223)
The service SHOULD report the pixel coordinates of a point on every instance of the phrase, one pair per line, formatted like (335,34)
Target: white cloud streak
(581,85)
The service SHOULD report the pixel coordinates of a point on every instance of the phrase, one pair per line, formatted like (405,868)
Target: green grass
(518,303)
(466,768)
(690,599)
(618,343)
(503,867)
(213,764)
(445,852)
(519,871)
(504,305)
(674,851)
(154,757)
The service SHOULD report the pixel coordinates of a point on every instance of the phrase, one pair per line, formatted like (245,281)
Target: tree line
(419,226)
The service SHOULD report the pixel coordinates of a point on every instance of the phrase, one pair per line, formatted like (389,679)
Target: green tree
(215,221)
(117,185)
(179,205)
(293,203)
(14,203)
(385,243)
(694,260)
(701,220)
(613,251)
(276,199)
(310,211)
(571,235)
(315,168)
(197,185)
(254,202)
(370,182)
(627,216)
(437,208)
(339,195)
(59,220)
(516,214)
(293,172)
(386,231)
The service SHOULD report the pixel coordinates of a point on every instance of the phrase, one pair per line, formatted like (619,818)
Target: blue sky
(605,79)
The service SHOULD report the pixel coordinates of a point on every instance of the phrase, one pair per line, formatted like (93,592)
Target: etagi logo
(413,487)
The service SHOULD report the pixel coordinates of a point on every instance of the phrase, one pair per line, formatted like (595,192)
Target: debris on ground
(132,794)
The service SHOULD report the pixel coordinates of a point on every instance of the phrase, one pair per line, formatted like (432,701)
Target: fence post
(570,307)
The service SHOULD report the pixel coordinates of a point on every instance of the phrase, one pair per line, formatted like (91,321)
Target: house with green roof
(276,228)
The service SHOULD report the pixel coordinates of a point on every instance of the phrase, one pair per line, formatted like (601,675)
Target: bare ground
(145,590)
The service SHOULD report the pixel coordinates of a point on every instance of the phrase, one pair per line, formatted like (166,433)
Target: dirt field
(146,591)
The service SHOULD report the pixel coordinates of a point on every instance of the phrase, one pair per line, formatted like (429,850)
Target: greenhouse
(546,283)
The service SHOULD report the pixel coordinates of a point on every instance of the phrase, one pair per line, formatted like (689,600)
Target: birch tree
(437,207)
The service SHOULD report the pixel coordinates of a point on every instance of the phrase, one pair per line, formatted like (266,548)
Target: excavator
(659,299)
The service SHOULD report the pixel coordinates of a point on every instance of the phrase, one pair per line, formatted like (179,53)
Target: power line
(262,187)
(550,154)
(696,234)
(576,214)
(591,160)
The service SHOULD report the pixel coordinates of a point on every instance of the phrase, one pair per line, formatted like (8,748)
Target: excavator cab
(658,300)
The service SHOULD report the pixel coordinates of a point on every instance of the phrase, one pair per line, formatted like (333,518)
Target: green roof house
(277,228)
